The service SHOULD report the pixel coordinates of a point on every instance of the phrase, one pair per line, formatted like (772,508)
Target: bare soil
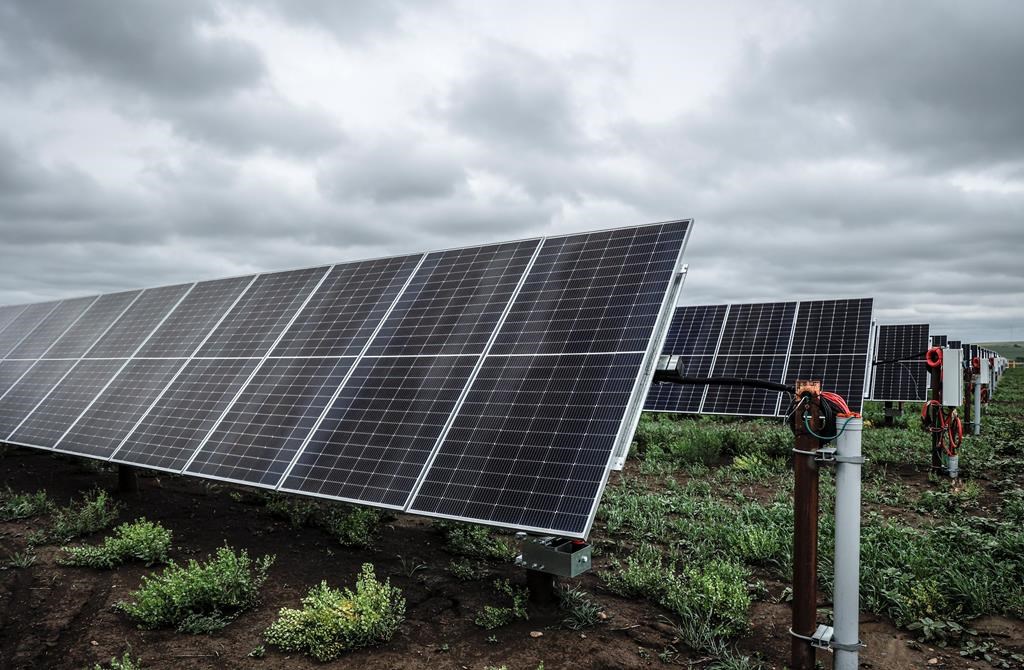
(61,617)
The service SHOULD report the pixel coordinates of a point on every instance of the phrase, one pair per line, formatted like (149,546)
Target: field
(1011,350)
(692,559)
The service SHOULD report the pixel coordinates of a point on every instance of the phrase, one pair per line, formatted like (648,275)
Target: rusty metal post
(805,526)
(542,587)
(936,378)
(890,412)
(127,480)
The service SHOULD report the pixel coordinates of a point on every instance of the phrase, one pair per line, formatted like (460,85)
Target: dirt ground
(61,617)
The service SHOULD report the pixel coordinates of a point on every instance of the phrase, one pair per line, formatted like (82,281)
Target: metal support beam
(127,480)
(846,591)
(936,379)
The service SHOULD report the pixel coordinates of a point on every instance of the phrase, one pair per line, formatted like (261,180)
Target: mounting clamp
(823,639)
(557,556)
(827,456)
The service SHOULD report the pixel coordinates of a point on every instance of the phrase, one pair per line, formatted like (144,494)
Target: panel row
(361,381)
(778,342)
(899,371)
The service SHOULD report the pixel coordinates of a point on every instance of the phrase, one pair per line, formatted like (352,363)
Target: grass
(497,616)
(473,541)
(126,662)
(352,526)
(707,513)
(95,512)
(580,610)
(334,621)
(140,540)
(199,597)
(18,506)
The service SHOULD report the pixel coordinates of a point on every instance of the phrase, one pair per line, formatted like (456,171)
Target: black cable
(901,359)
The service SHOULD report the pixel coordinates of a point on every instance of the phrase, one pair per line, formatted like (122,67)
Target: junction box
(952,377)
(557,556)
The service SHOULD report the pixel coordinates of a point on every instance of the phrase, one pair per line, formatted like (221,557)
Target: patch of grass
(580,611)
(17,506)
(94,513)
(491,617)
(22,559)
(474,541)
(297,511)
(353,526)
(333,621)
(140,540)
(466,570)
(126,662)
(221,587)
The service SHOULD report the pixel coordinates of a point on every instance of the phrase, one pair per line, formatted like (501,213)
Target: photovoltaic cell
(454,301)
(261,314)
(939,340)
(953,344)
(172,430)
(270,420)
(531,443)
(377,435)
(835,329)
(594,292)
(116,411)
(905,378)
(84,333)
(754,344)
(693,335)
(343,313)
(135,325)
(51,328)
(28,391)
(24,324)
(11,372)
(65,403)
(193,318)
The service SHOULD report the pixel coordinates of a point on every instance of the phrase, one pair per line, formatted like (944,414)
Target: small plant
(16,506)
(580,610)
(259,651)
(491,617)
(96,512)
(22,559)
(474,541)
(140,540)
(126,662)
(410,566)
(333,621)
(297,511)
(353,526)
(220,588)
(466,570)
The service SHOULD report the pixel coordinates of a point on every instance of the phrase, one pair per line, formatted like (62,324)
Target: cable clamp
(827,455)
(822,639)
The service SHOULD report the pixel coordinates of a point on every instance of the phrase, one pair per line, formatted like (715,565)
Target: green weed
(463,539)
(140,540)
(94,513)
(17,506)
(491,617)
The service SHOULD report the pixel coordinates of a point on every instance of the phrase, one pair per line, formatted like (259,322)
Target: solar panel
(378,433)
(830,343)
(906,377)
(270,420)
(28,391)
(344,312)
(938,340)
(115,411)
(51,328)
(953,344)
(68,399)
(92,324)
(361,381)
(754,343)
(171,430)
(138,322)
(693,335)
(194,317)
(253,324)
(454,302)
(601,294)
(24,324)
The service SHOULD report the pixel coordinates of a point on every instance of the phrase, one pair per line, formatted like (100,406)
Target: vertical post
(541,586)
(805,530)
(846,605)
(977,405)
(890,412)
(937,396)
(127,480)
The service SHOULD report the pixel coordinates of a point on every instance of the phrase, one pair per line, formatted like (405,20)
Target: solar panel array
(938,340)
(900,373)
(777,342)
(489,384)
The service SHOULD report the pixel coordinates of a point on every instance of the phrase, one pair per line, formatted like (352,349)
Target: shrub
(223,586)
(333,621)
(466,570)
(713,593)
(126,662)
(491,617)
(140,540)
(353,526)
(297,511)
(474,541)
(15,506)
(96,512)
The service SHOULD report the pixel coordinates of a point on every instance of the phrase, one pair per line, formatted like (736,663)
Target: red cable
(934,357)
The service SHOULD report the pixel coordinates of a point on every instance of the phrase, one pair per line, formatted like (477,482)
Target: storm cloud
(842,148)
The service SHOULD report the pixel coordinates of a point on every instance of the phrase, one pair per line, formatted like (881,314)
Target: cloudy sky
(823,148)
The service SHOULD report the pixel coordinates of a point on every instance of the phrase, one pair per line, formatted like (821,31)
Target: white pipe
(846,593)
